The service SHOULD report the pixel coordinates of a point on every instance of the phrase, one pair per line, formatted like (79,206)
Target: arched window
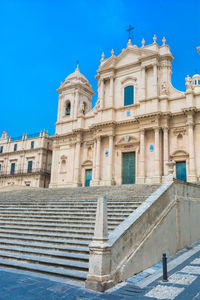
(68,109)
(129,95)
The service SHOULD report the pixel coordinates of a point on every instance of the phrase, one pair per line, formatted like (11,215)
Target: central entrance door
(181,170)
(88,177)
(128,168)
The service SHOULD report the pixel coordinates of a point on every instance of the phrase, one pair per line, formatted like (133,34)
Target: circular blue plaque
(151,148)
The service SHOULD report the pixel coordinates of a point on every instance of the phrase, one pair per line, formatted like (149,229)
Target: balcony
(23,172)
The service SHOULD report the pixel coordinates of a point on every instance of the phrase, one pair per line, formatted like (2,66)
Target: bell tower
(75,98)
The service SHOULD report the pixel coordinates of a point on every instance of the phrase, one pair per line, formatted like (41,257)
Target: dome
(196,76)
(196,80)
(76,76)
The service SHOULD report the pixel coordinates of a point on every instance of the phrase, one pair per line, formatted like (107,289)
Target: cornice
(24,151)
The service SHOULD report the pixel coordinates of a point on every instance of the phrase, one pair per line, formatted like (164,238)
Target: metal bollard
(164,262)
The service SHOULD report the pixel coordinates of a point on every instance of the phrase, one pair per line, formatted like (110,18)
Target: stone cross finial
(102,56)
(164,41)
(143,42)
(154,38)
(112,52)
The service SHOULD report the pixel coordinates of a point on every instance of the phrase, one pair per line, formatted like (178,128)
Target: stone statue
(82,109)
(188,82)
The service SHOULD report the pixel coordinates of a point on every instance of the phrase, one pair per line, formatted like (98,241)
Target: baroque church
(139,123)
(140,126)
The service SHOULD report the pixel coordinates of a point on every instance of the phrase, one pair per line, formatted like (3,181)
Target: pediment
(130,55)
(179,153)
(87,163)
(125,140)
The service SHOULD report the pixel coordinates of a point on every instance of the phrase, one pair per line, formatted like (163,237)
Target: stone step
(58,230)
(80,214)
(47,240)
(73,262)
(52,223)
(79,235)
(65,211)
(67,208)
(44,269)
(8,244)
(49,231)
(68,204)
(58,219)
(46,227)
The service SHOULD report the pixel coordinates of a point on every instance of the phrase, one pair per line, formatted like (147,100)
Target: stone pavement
(184,283)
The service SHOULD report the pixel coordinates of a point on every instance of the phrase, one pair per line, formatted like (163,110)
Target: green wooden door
(88,177)
(181,170)
(128,168)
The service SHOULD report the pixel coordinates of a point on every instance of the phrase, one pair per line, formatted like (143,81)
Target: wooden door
(128,168)
(181,170)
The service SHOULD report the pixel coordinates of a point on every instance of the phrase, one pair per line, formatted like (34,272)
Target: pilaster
(141,178)
(157,167)
(192,165)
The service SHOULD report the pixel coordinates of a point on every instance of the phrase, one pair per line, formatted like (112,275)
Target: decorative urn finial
(143,42)
(164,41)
(154,38)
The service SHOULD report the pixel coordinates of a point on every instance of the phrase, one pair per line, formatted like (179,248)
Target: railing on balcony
(24,172)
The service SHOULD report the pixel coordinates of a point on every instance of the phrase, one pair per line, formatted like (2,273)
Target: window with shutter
(129,95)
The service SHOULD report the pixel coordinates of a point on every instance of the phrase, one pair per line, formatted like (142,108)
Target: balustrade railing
(24,172)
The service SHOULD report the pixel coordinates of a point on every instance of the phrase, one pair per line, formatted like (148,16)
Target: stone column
(143,83)
(111,90)
(102,94)
(77,162)
(155,80)
(141,178)
(157,155)
(111,143)
(192,168)
(165,149)
(98,160)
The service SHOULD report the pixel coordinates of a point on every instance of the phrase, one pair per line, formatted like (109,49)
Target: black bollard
(164,262)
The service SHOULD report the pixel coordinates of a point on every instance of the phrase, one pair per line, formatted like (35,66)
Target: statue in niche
(82,109)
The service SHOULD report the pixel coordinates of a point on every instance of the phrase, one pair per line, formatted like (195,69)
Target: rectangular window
(15,147)
(32,145)
(129,95)
(30,165)
(1,149)
(12,169)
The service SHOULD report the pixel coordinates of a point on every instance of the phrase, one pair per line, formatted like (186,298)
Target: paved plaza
(183,283)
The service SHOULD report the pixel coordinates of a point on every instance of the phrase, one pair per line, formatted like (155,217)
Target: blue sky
(41,40)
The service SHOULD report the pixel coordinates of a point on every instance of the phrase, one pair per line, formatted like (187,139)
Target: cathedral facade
(139,123)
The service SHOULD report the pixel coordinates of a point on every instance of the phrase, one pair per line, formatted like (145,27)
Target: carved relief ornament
(180,130)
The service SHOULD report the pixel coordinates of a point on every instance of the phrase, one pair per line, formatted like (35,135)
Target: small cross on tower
(129,31)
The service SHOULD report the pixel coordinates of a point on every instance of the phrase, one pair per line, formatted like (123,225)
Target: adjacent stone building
(26,160)
(138,124)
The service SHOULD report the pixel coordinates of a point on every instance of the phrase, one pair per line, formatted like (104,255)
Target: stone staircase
(49,230)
